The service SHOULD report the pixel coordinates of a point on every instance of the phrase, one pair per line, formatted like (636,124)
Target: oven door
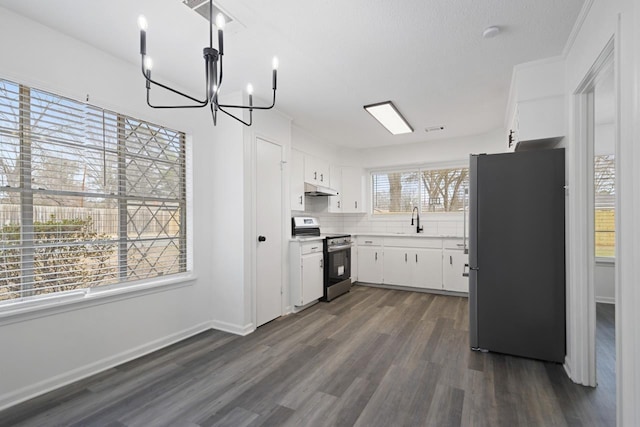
(337,272)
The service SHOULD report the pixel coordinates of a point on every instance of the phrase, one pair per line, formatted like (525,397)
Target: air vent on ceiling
(202,7)
(434,129)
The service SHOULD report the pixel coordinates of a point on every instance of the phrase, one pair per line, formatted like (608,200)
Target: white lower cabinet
(427,272)
(397,267)
(452,269)
(307,277)
(427,263)
(370,264)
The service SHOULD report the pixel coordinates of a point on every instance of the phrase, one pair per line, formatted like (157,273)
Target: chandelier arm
(240,120)
(177,92)
(249,107)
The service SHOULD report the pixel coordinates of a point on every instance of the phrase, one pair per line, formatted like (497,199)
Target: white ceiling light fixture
(388,115)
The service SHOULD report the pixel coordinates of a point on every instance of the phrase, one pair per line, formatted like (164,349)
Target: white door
(268,231)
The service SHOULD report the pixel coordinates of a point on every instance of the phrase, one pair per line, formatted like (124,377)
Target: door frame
(581,358)
(251,198)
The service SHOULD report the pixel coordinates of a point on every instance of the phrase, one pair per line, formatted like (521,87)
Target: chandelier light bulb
(148,63)
(142,23)
(275,63)
(220,21)
(250,89)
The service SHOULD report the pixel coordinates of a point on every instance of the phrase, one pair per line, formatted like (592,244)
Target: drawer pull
(368,241)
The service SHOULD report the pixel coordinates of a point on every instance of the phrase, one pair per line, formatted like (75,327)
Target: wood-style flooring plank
(373,357)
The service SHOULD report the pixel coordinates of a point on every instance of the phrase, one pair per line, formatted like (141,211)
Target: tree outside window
(432,190)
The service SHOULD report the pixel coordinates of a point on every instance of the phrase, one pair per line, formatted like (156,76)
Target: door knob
(261,238)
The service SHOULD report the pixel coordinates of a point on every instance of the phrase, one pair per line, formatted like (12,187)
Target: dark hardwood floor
(374,357)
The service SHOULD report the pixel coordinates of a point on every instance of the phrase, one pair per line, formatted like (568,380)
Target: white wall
(48,349)
(605,274)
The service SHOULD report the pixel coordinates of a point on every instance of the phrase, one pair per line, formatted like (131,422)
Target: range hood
(318,190)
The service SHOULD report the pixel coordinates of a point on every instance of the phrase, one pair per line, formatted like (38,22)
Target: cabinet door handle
(338,203)
(314,248)
(376,256)
(368,241)
(321,177)
(315,175)
(300,200)
(450,260)
(405,257)
(356,205)
(416,257)
(321,264)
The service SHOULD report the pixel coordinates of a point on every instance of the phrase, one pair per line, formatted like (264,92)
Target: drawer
(369,241)
(413,242)
(453,244)
(311,247)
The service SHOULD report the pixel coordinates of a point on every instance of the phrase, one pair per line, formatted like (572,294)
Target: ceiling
(427,56)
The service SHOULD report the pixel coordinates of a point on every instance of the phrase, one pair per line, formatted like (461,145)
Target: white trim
(43,307)
(605,260)
(577,27)
(606,300)
(42,387)
(232,328)
(580,259)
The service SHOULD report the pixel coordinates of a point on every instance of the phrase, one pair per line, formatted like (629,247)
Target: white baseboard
(42,387)
(606,300)
(232,328)
(567,368)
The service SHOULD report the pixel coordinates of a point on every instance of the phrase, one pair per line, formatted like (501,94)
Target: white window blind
(431,190)
(88,197)
(605,197)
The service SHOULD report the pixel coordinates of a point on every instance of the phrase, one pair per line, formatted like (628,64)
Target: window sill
(83,298)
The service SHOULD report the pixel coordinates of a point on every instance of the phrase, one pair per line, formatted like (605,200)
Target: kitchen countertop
(306,238)
(419,235)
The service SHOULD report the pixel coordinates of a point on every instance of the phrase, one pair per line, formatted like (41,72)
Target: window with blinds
(605,198)
(88,197)
(431,190)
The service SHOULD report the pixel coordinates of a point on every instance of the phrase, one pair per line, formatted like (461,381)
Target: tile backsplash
(433,224)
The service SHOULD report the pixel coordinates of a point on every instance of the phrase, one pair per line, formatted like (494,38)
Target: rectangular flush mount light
(389,117)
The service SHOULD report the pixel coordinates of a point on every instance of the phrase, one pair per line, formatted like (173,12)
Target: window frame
(404,169)
(60,301)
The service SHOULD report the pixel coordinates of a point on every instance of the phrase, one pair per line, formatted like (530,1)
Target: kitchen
(221,293)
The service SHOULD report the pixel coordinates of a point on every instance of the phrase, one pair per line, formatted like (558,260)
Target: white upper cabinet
(537,105)
(297,181)
(335,202)
(540,119)
(316,171)
(352,194)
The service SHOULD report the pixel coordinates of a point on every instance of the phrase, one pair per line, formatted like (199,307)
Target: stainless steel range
(336,259)
(337,265)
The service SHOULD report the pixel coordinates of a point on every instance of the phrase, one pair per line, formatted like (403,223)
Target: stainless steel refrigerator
(517,254)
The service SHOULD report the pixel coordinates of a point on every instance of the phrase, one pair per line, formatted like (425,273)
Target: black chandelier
(213,74)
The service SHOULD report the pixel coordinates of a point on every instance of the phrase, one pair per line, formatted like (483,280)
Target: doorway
(604,203)
(268,190)
(594,219)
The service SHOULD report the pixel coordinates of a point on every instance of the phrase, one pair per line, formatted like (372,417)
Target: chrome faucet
(418,228)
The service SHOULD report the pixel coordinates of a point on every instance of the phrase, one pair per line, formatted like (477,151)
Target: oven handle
(339,248)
